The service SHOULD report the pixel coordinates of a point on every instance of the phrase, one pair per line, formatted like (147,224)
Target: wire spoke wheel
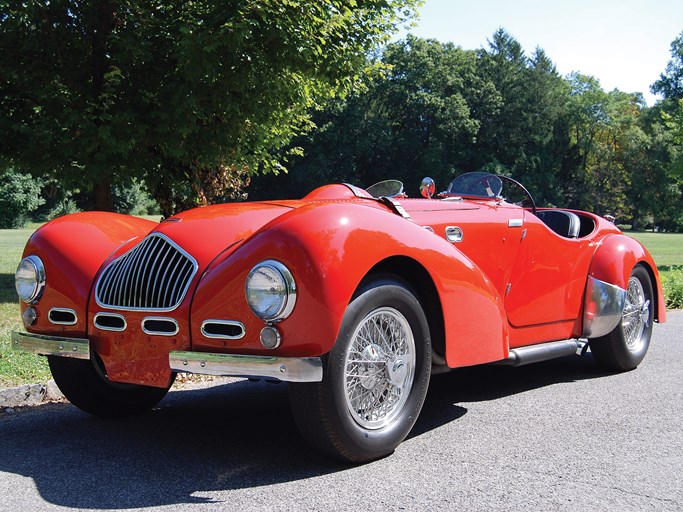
(380,367)
(375,378)
(636,317)
(625,347)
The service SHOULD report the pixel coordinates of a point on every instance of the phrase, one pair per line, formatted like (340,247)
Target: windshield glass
(387,188)
(476,184)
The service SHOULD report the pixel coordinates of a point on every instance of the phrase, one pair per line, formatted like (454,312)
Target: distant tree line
(435,109)
(153,105)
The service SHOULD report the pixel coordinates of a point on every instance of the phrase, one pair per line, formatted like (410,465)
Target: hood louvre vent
(153,276)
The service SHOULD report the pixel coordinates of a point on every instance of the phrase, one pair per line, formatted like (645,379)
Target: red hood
(206,232)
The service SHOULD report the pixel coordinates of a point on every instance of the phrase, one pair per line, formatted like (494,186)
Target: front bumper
(288,369)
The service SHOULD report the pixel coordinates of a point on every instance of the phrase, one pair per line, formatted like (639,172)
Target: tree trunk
(102,195)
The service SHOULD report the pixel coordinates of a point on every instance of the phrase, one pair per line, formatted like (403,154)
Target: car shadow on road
(234,436)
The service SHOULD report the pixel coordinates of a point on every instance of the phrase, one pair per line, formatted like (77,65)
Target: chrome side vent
(223,329)
(160,326)
(154,275)
(62,316)
(110,322)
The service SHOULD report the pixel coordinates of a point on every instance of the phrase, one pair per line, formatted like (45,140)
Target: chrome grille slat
(175,277)
(151,280)
(153,276)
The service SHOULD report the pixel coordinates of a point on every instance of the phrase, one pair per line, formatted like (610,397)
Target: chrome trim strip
(224,336)
(515,223)
(62,310)
(288,369)
(152,332)
(602,309)
(454,234)
(77,348)
(108,328)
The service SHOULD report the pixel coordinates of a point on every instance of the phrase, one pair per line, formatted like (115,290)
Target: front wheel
(625,347)
(375,377)
(85,384)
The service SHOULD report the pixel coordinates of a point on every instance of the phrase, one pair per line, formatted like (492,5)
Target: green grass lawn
(18,368)
(666,248)
(15,367)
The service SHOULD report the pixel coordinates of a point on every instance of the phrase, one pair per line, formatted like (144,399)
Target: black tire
(625,347)
(334,415)
(85,385)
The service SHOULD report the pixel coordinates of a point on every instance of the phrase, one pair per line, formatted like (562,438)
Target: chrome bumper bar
(78,348)
(289,369)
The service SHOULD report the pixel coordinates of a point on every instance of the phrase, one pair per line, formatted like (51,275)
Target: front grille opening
(62,316)
(110,322)
(160,326)
(154,275)
(225,329)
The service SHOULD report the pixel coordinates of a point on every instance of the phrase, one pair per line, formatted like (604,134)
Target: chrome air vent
(154,275)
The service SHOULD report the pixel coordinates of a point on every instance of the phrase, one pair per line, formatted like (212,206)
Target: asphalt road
(559,435)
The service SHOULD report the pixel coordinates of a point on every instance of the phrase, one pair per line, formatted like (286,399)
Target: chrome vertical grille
(153,275)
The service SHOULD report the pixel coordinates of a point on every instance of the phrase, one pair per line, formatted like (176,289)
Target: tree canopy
(191,96)
(438,110)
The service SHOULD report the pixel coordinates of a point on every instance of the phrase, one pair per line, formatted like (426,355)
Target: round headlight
(271,291)
(30,279)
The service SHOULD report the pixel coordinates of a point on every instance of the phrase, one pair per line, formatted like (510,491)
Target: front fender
(614,260)
(330,248)
(72,249)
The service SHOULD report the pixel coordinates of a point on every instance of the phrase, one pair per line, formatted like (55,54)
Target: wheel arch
(476,333)
(419,279)
(615,258)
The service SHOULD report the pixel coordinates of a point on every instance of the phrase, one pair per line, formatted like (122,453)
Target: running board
(544,351)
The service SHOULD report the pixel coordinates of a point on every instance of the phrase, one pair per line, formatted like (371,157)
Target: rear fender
(614,260)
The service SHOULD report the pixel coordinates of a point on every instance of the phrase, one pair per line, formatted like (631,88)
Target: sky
(625,44)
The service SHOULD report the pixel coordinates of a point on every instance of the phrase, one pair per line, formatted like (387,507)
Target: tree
(19,196)
(670,83)
(180,94)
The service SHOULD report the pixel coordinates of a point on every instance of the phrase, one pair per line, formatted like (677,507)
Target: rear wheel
(85,384)
(625,347)
(375,377)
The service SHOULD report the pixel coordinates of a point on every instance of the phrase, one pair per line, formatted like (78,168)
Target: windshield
(387,188)
(476,184)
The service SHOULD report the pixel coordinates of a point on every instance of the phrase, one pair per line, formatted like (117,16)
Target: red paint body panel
(73,248)
(614,259)
(509,282)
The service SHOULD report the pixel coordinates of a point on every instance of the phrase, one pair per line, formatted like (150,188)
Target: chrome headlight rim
(38,269)
(288,298)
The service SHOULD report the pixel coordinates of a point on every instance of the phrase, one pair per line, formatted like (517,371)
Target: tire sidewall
(636,357)
(373,443)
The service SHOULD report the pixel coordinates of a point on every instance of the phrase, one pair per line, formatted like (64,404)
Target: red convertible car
(355,297)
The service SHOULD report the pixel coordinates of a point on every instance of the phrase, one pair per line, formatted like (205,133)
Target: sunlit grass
(16,368)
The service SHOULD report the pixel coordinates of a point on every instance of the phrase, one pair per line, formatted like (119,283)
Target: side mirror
(427,187)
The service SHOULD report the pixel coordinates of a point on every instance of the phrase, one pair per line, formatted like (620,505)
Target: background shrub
(19,197)
(672,282)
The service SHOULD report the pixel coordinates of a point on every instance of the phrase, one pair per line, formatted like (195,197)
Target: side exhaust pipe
(544,351)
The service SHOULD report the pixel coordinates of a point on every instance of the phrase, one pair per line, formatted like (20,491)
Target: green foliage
(438,110)
(672,282)
(133,199)
(64,206)
(19,197)
(670,83)
(95,92)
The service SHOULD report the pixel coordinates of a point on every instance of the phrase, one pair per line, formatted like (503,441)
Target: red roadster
(355,297)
